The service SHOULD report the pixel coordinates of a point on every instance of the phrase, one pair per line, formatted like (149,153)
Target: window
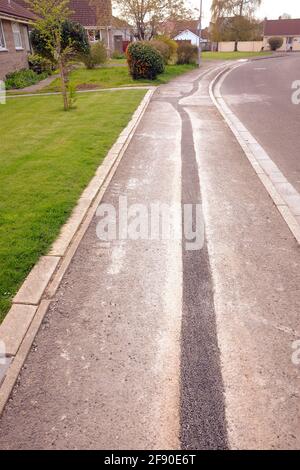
(2,38)
(17,35)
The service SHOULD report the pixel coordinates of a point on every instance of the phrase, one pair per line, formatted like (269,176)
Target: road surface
(260,94)
(149,346)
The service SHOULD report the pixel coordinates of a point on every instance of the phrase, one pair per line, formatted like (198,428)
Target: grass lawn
(109,77)
(232,55)
(47,158)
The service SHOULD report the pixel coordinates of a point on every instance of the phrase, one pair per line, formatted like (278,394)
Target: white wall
(250,46)
(227,46)
(243,46)
(187,36)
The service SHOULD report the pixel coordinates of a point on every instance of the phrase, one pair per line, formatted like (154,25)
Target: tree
(234,18)
(146,15)
(285,16)
(57,38)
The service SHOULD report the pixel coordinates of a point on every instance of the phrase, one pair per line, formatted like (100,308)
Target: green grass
(47,158)
(110,77)
(232,55)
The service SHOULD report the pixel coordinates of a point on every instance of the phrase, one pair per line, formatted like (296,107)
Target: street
(147,345)
(260,94)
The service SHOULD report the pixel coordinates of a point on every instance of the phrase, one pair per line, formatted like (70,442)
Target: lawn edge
(35,295)
(248,144)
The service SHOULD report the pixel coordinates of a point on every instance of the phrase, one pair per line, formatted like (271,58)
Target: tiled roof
(176,27)
(282,27)
(91,13)
(12,9)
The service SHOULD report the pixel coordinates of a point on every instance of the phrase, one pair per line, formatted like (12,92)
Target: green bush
(23,79)
(275,43)
(173,46)
(96,56)
(186,53)
(40,65)
(144,61)
(163,49)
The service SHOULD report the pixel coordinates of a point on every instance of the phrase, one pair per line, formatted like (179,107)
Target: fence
(243,46)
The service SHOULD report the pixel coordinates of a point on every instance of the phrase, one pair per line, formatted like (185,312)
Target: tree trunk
(64,84)
(236,46)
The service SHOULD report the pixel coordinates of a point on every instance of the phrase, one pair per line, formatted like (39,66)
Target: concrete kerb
(266,170)
(31,303)
(96,90)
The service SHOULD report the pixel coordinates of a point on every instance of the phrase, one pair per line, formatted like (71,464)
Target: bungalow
(184,30)
(288,29)
(96,17)
(14,37)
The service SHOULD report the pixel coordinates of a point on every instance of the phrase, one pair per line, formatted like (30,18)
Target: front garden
(47,158)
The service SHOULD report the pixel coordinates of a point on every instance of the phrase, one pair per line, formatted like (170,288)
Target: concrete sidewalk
(149,346)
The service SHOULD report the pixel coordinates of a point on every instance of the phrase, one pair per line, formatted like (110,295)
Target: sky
(271,9)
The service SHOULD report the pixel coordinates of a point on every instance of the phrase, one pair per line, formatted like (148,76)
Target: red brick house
(96,17)
(14,37)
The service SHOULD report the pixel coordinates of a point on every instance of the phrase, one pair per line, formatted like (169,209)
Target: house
(122,34)
(288,29)
(96,17)
(188,35)
(14,37)
(184,30)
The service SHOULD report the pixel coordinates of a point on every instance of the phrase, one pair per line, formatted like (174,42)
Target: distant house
(190,36)
(96,17)
(288,29)
(184,30)
(14,37)
(122,34)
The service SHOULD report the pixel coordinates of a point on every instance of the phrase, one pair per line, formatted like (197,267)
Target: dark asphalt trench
(203,420)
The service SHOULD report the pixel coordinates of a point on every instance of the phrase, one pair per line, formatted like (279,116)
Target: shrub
(187,53)
(23,78)
(163,49)
(275,43)
(40,65)
(97,55)
(173,45)
(144,60)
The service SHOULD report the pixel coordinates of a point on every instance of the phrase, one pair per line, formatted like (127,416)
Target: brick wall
(12,60)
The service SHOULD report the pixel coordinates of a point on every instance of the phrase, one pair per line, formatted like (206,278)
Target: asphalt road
(260,94)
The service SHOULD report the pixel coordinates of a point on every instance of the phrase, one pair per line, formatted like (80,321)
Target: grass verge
(110,77)
(47,158)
